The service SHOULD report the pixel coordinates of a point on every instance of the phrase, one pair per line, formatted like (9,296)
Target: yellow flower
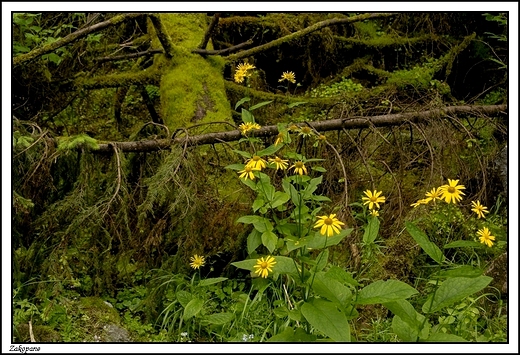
(248,126)
(294,128)
(329,225)
(299,168)
(423,201)
(374,213)
(306,131)
(289,76)
(264,266)
(434,194)
(373,198)
(241,71)
(479,209)
(279,139)
(197,261)
(247,173)
(486,237)
(451,191)
(256,163)
(279,162)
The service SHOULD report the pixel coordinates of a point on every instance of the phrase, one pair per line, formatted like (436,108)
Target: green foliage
(81,141)
(343,87)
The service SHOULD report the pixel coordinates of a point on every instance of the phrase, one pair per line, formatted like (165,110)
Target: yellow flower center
(298,165)
(373,199)
(256,158)
(451,189)
(328,221)
(278,160)
(263,265)
(306,130)
(248,169)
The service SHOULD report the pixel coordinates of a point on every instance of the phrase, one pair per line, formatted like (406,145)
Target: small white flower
(184,334)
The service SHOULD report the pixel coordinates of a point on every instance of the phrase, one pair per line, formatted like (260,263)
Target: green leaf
(294,104)
(371,230)
(281,312)
(464,244)
(193,308)
(235,167)
(407,314)
(331,289)
(211,281)
(269,239)
(240,102)
(245,264)
(313,185)
(292,336)
(262,224)
(254,240)
(219,318)
(284,265)
(269,150)
(257,204)
(291,190)
(453,290)
(385,291)
(460,271)
(247,117)
(325,317)
(322,260)
(422,239)
(319,169)
(318,241)
(184,297)
(445,338)
(341,275)
(242,153)
(260,105)
(279,199)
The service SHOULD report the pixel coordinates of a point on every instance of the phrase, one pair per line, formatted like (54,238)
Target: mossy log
(320,126)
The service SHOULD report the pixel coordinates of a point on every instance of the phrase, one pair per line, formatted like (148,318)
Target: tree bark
(321,126)
(35,53)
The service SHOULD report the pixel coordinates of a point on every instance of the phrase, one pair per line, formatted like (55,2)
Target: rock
(115,334)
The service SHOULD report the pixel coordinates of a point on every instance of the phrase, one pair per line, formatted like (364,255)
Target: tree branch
(207,34)
(35,53)
(128,56)
(163,35)
(321,126)
(306,31)
(224,51)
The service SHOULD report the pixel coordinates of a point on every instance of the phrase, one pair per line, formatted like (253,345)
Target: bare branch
(163,35)
(224,51)
(129,56)
(321,126)
(35,53)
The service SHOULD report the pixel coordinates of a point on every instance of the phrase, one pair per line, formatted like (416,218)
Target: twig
(129,56)
(31,335)
(116,152)
(210,29)
(224,51)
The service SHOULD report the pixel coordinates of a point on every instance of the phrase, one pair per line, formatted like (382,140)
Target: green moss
(96,309)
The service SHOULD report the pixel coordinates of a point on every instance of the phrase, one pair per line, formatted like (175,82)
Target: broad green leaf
(245,264)
(262,224)
(254,107)
(284,265)
(293,243)
(193,308)
(313,185)
(269,150)
(211,281)
(281,312)
(291,190)
(453,290)
(445,338)
(322,260)
(385,291)
(240,102)
(461,271)
(290,335)
(184,297)
(331,289)
(279,199)
(219,318)
(464,244)
(371,230)
(269,239)
(235,167)
(254,240)
(266,189)
(408,333)
(247,117)
(325,317)
(257,204)
(242,153)
(407,314)
(318,241)
(341,275)
(422,239)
